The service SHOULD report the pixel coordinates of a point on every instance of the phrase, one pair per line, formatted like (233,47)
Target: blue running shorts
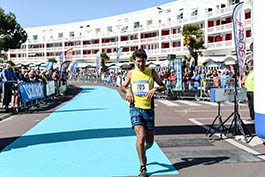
(145,117)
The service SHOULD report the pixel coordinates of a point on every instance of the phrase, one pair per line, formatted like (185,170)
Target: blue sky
(32,13)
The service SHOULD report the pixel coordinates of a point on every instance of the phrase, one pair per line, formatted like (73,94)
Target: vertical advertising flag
(118,55)
(64,66)
(98,62)
(240,36)
(178,73)
(61,60)
(74,66)
(49,65)
(69,55)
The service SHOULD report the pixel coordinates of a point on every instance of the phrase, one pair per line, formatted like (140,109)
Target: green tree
(12,35)
(193,40)
(11,63)
(104,59)
(52,60)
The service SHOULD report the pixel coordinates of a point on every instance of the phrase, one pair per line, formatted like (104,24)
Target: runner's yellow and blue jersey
(141,83)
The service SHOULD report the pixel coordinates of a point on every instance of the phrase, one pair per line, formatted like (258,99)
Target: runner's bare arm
(158,80)
(129,96)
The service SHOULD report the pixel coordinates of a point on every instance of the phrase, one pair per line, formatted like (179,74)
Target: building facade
(157,29)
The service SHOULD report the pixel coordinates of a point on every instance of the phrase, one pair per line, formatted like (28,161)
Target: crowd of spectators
(10,77)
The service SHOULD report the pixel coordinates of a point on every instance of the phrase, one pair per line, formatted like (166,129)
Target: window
(168,10)
(97,30)
(60,35)
(87,26)
(136,25)
(81,26)
(35,37)
(72,34)
(149,22)
(194,12)
(180,14)
(109,29)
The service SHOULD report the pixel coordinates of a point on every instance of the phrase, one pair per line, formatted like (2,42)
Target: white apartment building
(157,29)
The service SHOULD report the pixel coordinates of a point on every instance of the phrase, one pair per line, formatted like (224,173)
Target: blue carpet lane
(90,136)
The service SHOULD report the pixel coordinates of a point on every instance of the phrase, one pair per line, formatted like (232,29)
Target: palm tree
(193,40)
(104,59)
(53,60)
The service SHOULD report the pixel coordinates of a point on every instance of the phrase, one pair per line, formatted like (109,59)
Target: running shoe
(143,172)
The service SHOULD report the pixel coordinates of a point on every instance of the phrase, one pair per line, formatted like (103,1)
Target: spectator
(250,89)
(8,78)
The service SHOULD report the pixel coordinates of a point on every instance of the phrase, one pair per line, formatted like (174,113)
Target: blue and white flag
(49,65)
(118,55)
(74,66)
(240,36)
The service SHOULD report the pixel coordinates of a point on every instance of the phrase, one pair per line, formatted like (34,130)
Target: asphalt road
(181,128)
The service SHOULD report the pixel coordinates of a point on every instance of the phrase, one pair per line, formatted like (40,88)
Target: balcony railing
(151,39)
(220,28)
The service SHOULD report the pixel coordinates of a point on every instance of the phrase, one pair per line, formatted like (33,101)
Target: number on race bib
(140,87)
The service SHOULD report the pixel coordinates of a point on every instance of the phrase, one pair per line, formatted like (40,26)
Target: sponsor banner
(62,89)
(240,36)
(178,73)
(50,88)
(31,91)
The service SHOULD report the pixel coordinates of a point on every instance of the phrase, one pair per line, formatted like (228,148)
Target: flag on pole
(240,36)
(49,65)
(61,60)
(118,55)
(69,55)
(74,66)
(98,62)
(64,67)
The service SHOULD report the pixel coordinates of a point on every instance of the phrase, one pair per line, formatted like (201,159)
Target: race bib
(140,87)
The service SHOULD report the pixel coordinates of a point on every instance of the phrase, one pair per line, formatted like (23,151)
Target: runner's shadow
(57,137)
(188,162)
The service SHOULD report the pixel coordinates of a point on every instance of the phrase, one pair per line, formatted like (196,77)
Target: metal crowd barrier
(189,91)
(28,94)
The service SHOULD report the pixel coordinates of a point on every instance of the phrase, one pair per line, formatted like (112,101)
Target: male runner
(140,95)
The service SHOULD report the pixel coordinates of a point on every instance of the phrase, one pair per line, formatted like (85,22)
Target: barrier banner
(50,88)
(176,63)
(240,36)
(31,91)
(62,89)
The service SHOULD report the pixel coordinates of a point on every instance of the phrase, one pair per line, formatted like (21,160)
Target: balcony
(54,48)
(88,46)
(35,49)
(89,56)
(151,39)
(109,44)
(221,44)
(220,28)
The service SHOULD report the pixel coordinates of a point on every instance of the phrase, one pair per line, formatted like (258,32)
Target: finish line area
(91,135)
